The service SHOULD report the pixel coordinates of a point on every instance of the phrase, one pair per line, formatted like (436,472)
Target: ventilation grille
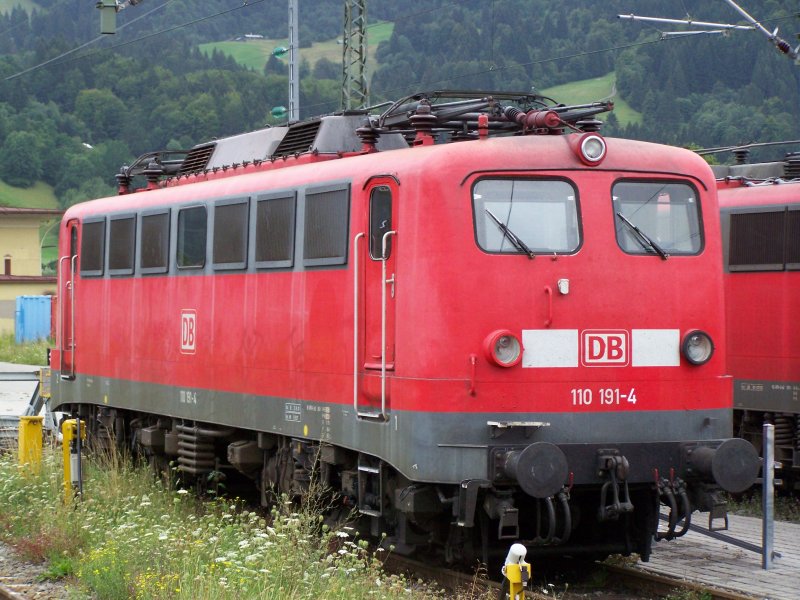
(791,165)
(299,139)
(197,159)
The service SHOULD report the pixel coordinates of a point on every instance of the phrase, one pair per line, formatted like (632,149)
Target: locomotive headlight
(697,347)
(593,149)
(503,348)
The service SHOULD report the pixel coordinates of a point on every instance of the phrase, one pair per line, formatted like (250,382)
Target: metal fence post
(768,496)
(30,443)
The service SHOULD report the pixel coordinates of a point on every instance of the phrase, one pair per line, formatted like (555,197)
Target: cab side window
(380,221)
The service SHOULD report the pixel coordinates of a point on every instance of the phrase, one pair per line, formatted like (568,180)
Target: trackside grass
(133,537)
(30,353)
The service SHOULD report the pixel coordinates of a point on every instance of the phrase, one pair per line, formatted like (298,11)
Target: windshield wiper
(644,241)
(518,243)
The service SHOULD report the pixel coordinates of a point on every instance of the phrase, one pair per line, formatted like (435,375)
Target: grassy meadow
(30,353)
(132,536)
(39,195)
(255,53)
(592,90)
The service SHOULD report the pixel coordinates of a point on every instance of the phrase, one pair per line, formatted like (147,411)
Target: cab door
(377,252)
(67,269)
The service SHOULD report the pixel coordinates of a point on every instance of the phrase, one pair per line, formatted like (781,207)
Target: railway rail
(22,581)
(621,582)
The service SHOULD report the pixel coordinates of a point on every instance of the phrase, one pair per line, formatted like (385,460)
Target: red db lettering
(604,348)
(597,347)
(616,349)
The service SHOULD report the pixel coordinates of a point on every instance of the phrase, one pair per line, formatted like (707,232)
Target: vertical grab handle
(62,343)
(72,313)
(549,291)
(384,258)
(356,240)
(60,315)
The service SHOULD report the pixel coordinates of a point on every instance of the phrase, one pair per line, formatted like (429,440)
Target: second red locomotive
(760,206)
(478,320)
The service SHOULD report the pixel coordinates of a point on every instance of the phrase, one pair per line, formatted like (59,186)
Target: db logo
(604,348)
(188,331)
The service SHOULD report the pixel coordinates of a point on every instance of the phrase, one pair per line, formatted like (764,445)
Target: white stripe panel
(549,348)
(656,347)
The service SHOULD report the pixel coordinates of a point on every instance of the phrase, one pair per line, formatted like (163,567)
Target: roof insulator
(123,180)
(740,155)
(369,138)
(423,121)
(589,125)
(153,173)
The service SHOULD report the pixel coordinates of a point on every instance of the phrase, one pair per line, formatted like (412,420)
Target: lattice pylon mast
(355,90)
(294,63)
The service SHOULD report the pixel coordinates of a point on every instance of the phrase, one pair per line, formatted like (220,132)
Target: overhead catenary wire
(84,45)
(720,149)
(433,84)
(57,60)
(417,85)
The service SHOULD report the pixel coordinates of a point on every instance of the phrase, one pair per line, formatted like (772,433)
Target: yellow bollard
(517,572)
(30,442)
(70,449)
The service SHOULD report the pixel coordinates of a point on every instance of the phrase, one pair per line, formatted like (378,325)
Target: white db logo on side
(188,331)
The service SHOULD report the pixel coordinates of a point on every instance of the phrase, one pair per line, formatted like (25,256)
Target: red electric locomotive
(484,321)
(760,206)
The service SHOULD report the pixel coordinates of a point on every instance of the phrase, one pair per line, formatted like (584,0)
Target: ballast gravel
(23,580)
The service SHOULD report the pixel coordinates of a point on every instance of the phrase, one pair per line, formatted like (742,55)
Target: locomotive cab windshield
(657,218)
(542,215)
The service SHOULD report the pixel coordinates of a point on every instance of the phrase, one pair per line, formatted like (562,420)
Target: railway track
(619,583)
(20,580)
(21,588)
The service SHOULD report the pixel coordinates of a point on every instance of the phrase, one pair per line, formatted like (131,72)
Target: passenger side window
(275,218)
(121,244)
(327,216)
(191,252)
(764,240)
(230,234)
(154,246)
(92,248)
(793,239)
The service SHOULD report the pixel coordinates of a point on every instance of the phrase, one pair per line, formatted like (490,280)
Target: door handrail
(72,314)
(384,258)
(356,239)
(60,315)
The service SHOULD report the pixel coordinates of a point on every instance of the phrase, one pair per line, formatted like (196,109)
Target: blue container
(32,318)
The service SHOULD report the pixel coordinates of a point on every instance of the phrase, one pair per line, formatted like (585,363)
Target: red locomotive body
(761,238)
(513,337)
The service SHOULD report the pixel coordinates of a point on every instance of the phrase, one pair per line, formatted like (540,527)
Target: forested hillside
(74,108)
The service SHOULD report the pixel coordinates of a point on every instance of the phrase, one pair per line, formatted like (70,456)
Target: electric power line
(417,85)
(428,85)
(246,4)
(92,41)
